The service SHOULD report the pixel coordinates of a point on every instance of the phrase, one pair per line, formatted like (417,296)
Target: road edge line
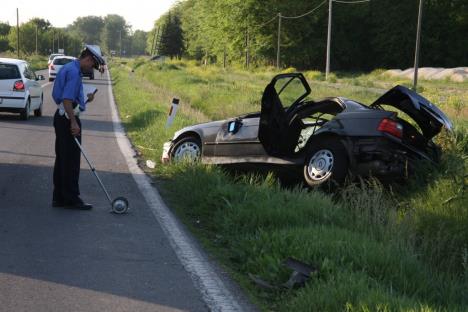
(213,291)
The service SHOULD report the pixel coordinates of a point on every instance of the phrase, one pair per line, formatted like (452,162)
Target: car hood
(428,116)
(199,128)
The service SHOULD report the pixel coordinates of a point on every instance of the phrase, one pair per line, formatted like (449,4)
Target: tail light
(391,127)
(51,66)
(18,86)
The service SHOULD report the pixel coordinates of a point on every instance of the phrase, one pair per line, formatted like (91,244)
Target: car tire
(326,164)
(186,149)
(24,115)
(51,79)
(38,112)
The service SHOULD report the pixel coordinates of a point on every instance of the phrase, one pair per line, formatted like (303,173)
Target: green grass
(403,248)
(37,62)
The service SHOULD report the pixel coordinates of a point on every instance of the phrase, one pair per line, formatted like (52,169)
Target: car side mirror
(234,126)
(40,77)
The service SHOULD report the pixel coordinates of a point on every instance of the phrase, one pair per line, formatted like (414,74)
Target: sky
(140,14)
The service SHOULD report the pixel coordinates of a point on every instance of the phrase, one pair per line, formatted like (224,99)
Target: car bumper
(165,154)
(8,103)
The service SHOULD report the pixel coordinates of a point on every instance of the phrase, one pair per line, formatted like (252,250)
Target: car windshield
(9,71)
(61,61)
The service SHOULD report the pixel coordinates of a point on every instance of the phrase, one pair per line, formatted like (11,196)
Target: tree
(139,39)
(89,28)
(114,33)
(171,43)
(4,31)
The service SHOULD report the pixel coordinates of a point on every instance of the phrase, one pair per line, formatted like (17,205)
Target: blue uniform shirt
(68,85)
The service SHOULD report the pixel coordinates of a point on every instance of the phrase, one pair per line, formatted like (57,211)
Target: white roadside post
(172,112)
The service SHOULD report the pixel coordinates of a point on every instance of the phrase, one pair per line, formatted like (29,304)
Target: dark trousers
(67,162)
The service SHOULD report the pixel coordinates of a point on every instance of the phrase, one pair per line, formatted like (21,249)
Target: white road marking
(215,294)
(46,84)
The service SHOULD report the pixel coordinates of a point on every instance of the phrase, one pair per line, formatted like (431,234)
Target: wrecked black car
(330,138)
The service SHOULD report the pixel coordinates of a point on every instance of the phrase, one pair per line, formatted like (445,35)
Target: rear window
(9,71)
(62,61)
(51,57)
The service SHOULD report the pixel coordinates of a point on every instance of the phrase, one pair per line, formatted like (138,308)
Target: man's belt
(76,110)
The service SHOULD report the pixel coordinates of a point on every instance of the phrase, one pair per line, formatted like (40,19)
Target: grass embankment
(37,62)
(401,249)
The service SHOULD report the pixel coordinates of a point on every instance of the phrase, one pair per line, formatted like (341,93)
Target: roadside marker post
(172,112)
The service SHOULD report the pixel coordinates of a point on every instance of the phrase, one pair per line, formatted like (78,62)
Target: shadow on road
(122,255)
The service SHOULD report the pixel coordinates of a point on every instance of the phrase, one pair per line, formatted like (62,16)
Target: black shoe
(57,203)
(79,206)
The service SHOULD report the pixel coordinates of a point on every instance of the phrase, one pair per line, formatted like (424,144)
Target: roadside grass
(393,248)
(37,62)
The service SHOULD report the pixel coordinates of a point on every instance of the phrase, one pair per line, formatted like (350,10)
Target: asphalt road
(54,259)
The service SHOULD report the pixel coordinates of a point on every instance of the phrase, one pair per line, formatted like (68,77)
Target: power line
(305,14)
(280,16)
(294,17)
(266,23)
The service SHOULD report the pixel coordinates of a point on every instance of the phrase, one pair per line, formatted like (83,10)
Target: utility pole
(17,33)
(36,39)
(247,39)
(418,41)
(120,44)
(224,57)
(279,42)
(154,39)
(157,41)
(248,47)
(327,67)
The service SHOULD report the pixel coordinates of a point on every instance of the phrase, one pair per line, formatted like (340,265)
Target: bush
(332,78)
(314,75)
(289,70)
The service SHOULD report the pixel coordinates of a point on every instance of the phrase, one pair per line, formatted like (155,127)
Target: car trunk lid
(428,116)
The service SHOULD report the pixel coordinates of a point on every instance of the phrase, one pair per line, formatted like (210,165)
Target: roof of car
(64,57)
(11,61)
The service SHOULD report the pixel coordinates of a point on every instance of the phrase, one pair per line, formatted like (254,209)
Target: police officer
(68,95)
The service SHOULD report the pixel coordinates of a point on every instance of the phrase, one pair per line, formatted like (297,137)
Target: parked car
(20,91)
(57,64)
(328,138)
(52,56)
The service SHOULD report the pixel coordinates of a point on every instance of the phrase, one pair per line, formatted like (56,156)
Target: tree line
(365,36)
(111,32)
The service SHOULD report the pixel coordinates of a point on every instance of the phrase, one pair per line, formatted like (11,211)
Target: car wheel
(51,79)
(186,149)
(38,112)
(326,164)
(26,111)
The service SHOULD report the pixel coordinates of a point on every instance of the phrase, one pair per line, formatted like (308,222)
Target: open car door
(281,96)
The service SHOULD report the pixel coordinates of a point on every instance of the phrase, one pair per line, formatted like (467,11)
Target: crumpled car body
(329,139)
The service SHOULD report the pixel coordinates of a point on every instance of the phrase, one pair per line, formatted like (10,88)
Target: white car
(57,63)
(20,91)
(51,57)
